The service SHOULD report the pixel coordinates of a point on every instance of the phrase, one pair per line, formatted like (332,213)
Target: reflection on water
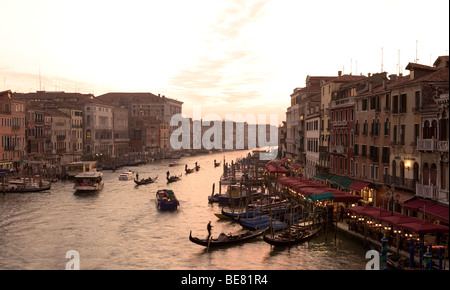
(120,227)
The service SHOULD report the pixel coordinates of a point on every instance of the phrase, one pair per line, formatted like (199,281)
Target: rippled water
(120,228)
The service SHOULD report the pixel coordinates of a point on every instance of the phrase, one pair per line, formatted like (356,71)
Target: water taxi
(89,182)
(81,167)
(127,175)
(166,200)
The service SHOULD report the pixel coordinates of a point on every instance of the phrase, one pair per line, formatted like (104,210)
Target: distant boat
(216,164)
(89,182)
(24,185)
(166,200)
(197,167)
(172,164)
(128,175)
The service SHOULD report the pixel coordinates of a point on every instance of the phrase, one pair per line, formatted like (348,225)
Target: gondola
(235,215)
(187,170)
(172,178)
(216,164)
(145,181)
(289,238)
(224,239)
(197,167)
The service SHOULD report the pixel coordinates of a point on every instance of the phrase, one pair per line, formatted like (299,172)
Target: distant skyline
(230,57)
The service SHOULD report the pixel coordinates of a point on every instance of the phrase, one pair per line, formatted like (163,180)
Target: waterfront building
(35,133)
(312,135)
(12,131)
(76,131)
(120,134)
(295,118)
(326,90)
(145,134)
(417,164)
(145,104)
(371,138)
(60,136)
(98,128)
(342,116)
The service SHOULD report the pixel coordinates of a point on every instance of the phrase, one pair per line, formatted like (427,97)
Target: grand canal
(121,228)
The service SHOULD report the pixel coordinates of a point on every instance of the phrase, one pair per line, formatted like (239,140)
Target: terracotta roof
(135,97)
(438,75)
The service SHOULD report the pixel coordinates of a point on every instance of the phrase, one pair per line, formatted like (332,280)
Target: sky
(226,56)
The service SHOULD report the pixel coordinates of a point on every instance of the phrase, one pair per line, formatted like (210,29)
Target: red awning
(417,204)
(358,185)
(423,228)
(275,168)
(437,211)
(398,220)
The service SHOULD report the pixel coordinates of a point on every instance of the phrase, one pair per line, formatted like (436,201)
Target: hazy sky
(229,56)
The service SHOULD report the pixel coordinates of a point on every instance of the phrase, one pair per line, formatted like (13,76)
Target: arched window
(443,127)
(426,129)
(88,134)
(402,171)
(416,172)
(426,174)
(394,170)
(433,129)
(433,174)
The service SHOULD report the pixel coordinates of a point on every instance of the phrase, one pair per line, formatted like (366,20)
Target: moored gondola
(290,237)
(224,239)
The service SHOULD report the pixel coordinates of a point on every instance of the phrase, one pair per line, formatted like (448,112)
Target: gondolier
(209,227)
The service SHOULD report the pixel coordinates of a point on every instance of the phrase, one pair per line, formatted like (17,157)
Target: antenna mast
(381,59)
(417,42)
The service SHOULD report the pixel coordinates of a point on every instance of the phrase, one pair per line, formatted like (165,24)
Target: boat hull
(289,241)
(166,200)
(227,240)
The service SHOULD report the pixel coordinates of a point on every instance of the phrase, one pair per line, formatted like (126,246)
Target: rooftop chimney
(339,73)
(393,77)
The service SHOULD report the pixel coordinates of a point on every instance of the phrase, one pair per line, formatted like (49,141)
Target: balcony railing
(340,123)
(427,144)
(442,146)
(400,181)
(427,191)
(340,149)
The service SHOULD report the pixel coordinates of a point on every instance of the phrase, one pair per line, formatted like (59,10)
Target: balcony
(400,181)
(427,144)
(442,146)
(340,123)
(339,149)
(323,149)
(427,191)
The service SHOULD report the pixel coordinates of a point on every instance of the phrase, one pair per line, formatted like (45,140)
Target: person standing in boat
(209,227)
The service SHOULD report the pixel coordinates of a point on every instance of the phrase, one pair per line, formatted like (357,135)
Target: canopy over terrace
(398,220)
(274,167)
(307,188)
(429,208)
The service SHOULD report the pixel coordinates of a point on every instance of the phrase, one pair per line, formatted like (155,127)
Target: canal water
(121,228)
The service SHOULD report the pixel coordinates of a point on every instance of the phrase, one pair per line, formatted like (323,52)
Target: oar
(209,241)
